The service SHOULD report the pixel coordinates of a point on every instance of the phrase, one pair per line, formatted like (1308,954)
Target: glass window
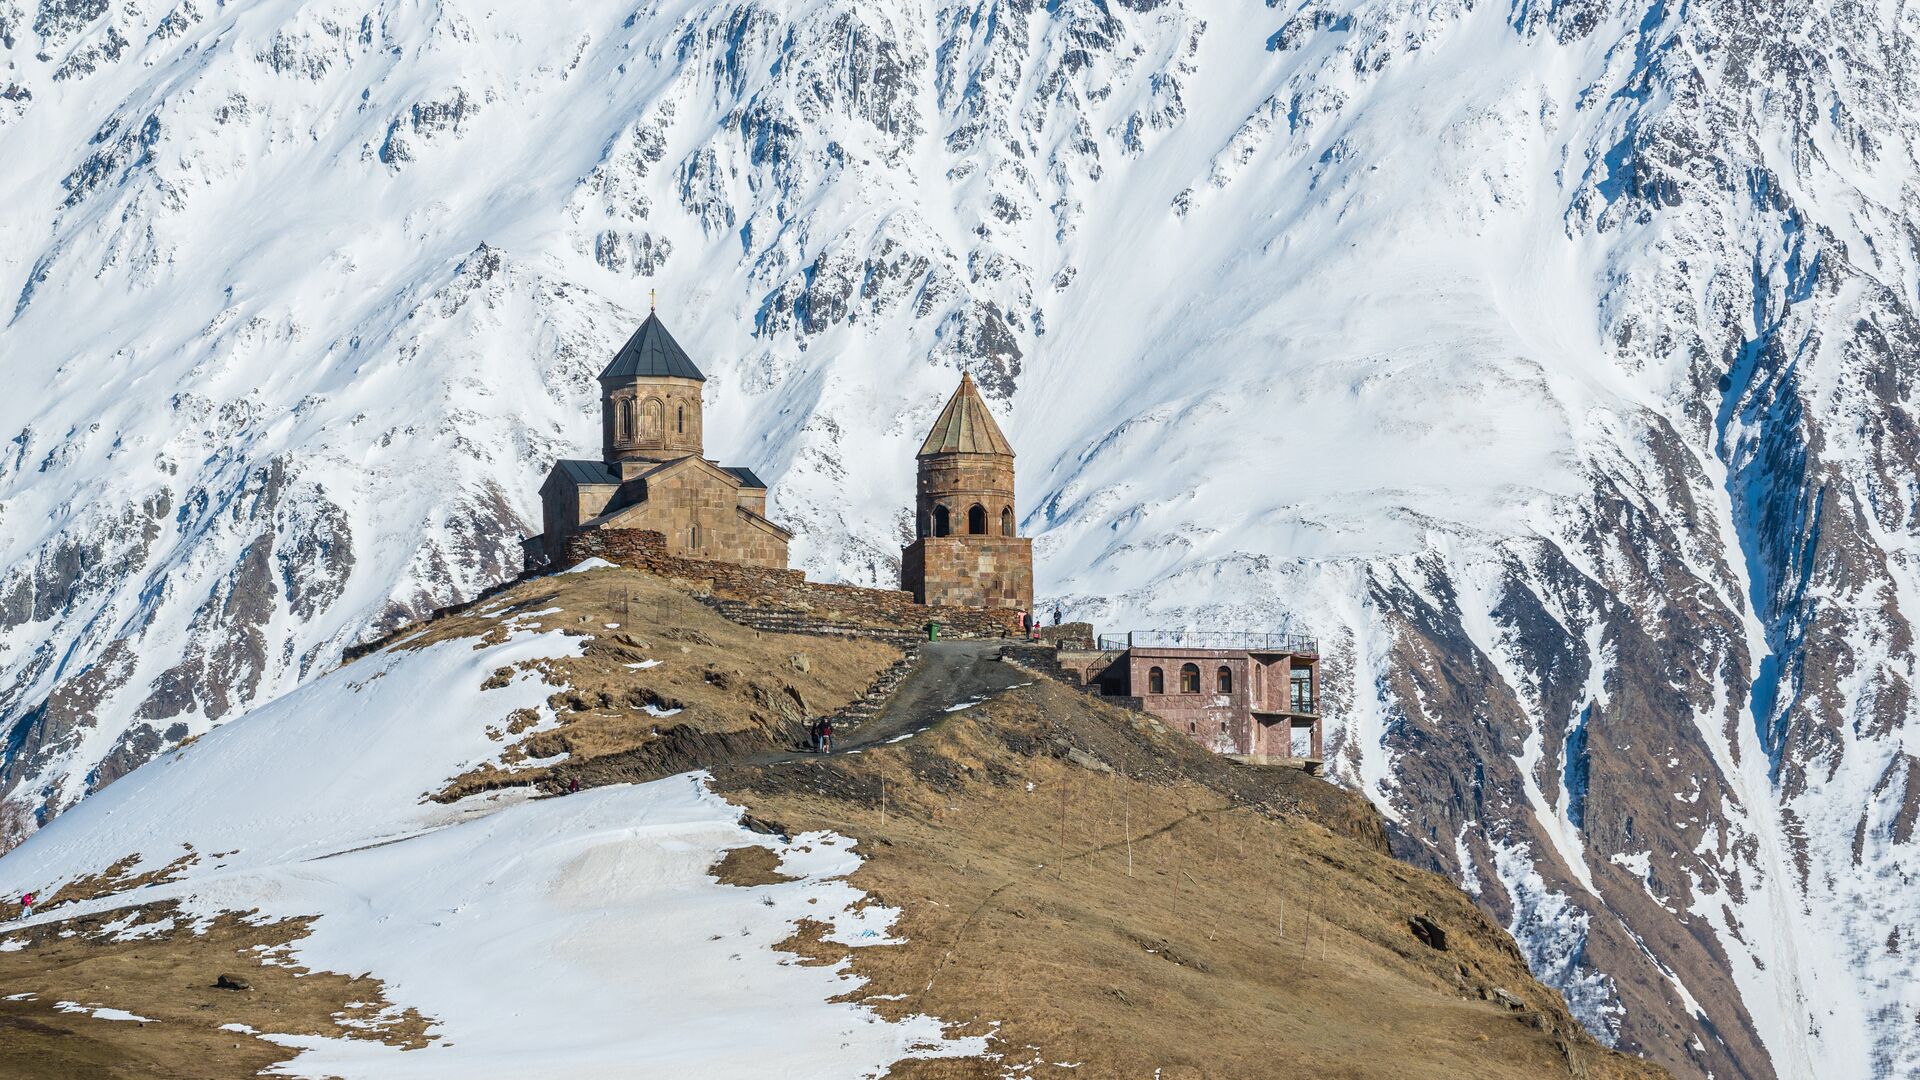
(1301,686)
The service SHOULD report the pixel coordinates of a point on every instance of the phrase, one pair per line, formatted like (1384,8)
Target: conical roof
(965,426)
(651,352)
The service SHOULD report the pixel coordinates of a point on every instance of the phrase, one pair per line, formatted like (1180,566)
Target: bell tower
(650,401)
(967,550)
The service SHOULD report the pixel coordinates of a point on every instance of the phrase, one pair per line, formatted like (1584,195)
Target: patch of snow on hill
(579,935)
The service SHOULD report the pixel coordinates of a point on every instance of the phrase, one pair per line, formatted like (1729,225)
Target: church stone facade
(651,474)
(968,551)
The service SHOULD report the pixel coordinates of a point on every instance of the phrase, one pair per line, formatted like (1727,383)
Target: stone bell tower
(649,402)
(967,551)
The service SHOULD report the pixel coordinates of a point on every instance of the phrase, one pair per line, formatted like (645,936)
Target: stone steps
(789,621)
(777,620)
(875,699)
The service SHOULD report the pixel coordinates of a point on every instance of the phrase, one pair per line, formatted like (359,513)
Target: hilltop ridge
(584,792)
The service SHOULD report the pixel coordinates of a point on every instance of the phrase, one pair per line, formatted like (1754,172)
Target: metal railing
(1248,640)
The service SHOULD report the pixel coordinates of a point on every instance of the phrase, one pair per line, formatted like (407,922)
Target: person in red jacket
(826,736)
(26,905)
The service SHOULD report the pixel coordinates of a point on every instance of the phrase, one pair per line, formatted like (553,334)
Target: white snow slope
(1553,361)
(581,936)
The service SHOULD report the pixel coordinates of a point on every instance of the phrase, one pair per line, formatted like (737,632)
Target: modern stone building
(651,475)
(1253,695)
(967,551)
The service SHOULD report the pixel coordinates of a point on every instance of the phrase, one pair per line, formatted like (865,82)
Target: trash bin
(933,631)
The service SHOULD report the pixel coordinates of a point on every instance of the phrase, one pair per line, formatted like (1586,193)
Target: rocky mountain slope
(1553,362)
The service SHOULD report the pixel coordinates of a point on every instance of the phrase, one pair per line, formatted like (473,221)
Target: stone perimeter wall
(848,607)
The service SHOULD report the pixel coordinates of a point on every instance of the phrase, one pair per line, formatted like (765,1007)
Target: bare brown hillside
(1098,894)
(1121,904)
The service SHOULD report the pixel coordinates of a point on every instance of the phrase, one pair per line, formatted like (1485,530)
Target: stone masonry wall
(782,593)
(1077,636)
(666,418)
(970,571)
(958,482)
(699,516)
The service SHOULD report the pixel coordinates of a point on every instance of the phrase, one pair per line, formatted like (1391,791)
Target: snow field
(580,935)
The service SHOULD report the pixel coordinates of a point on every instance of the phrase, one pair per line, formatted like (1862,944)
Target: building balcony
(1238,640)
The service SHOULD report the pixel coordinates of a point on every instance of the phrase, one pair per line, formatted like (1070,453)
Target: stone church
(967,551)
(651,474)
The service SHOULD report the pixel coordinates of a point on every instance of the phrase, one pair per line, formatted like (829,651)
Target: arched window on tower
(1189,678)
(1156,681)
(941,526)
(693,537)
(680,418)
(1225,681)
(977,520)
(1006,521)
(626,418)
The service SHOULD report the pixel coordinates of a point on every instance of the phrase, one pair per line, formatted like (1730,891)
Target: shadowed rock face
(1553,362)
(1605,772)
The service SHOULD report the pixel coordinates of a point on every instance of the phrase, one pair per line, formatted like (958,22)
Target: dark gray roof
(587,472)
(651,352)
(746,476)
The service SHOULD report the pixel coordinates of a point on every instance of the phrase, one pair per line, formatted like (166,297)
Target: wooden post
(1060,842)
(1126,807)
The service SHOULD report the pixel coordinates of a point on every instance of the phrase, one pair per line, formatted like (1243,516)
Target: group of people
(1030,626)
(820,736)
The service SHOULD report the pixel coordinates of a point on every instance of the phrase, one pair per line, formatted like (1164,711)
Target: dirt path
(950,674)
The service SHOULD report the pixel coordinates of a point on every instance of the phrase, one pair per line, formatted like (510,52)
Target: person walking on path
(1056,616)
(26,906)
(826,736)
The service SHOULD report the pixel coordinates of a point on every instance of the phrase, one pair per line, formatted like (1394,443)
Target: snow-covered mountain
(1553,362)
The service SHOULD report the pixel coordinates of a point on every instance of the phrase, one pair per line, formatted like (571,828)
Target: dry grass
(749,866)
(169,979)
(731,690)
(1178,914)
(737,691)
